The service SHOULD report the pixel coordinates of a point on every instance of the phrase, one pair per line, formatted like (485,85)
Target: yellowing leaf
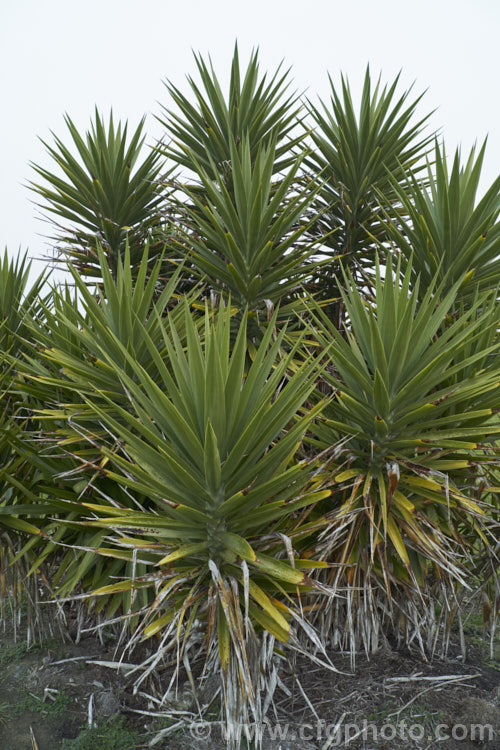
(113,588)
(223,638)
(158,624)
(264,601)
(309,564)
(347,474)
(397,540)
(279,569)
(184,551)
(115,553)
(269,624)
(402,501)
(469,504)
(428,484)
(315,497)
(239,546)
(383,498)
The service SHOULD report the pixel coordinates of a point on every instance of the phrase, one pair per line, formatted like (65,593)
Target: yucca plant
(185,464)
(18,300)
(207,455)
(442,227)
(125,303)
(106,195)
(414,414)
(64,350)
(251,243)
(241,203)
(256,109)
(360,158)
(20,592)
(20,303)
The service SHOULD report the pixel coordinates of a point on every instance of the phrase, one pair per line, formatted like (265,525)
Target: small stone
(473,710)
(107,704)
(180,701)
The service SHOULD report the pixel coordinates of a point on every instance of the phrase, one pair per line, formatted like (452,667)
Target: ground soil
(50,692)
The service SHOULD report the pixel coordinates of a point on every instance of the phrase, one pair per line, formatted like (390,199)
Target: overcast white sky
(60,56)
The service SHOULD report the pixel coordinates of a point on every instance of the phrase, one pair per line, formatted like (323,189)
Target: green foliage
(20,307)
(244,217)
(27,701)
(17,651)
(113,735)
(5,710)
(18,302)
(362,158)
(415,416)
(441,228)
(13,652)
(256,110)
(251,242)
(105,200)
(121,321)
(184,449)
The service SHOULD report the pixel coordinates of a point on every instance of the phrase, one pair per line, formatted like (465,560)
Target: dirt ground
(57,696)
